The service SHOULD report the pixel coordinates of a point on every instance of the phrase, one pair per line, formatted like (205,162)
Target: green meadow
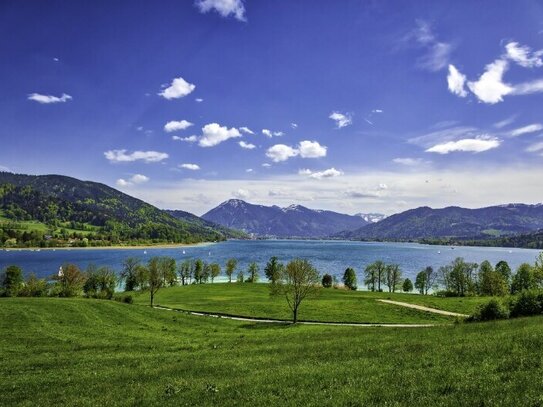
(95,352)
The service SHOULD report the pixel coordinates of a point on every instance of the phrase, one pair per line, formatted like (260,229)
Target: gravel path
(282,321)
(422,308)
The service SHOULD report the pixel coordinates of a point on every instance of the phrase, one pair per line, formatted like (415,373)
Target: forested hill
(454,222)
(51,210)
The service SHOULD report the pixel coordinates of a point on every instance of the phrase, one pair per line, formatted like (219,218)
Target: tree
(273,269)
(155,275)
(524,279)
(425,280)
(407,286)
(458,277)
(215,270)
(128,274)
(297,281)
(253,273)
(168,267)
(240,277)
(100,282)
(491,282)
(186,269)
(349,279)
(34,287)
(198,271)
(393,277)
(503,268)
(374,274)
(70,281)
(327,281)
(231,266)
(12,281)
(420,282)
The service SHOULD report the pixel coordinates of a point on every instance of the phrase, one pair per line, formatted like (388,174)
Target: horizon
(373,107)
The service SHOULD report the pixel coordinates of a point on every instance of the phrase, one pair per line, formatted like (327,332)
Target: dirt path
(282,321)
(422,308)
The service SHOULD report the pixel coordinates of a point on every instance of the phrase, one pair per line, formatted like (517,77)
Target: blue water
(331,257)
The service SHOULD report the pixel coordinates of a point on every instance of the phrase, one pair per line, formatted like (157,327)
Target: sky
(353,106)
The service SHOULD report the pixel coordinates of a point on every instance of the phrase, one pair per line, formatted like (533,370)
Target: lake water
(331,257)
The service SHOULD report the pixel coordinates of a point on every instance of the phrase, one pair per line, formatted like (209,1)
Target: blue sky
(354,106)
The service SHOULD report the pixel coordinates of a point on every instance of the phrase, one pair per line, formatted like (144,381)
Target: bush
(126,298)
(526,303)
(327,281)
(490,311)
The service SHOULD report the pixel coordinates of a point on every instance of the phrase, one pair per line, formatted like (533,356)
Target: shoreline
(144,247)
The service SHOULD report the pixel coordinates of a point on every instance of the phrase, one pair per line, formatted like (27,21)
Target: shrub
(327,281)
(528,302)
(126,298)
(490,311)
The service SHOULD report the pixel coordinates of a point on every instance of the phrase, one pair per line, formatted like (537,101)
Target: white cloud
(134,180)
(342,120)
(456,81)
(377,111)
(213,134)
(177,125)
(192,167)
(523,55)
(178,89)
(311,149)
(190,139)
(249,170)
(437,53)
(535,148)
(410,162)
(528,88)
(266,165)
(329,173)
(246,130)
(199,100)
(281,152)
(247,146)
(119,156)
(241,194)
(490,87)
(532,128)
(224,7)
(278,133)
(47,99)
(506,122)
(294,125)
(267,133)
(475,145)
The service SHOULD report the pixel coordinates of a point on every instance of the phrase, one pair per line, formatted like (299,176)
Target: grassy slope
(331,305)
(89,352)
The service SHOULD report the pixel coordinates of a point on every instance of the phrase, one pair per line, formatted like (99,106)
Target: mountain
(50,210)
(425,222)
(292,221)
(191,218)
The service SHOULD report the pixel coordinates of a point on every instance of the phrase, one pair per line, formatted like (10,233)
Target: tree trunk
(152,297)
(295,315)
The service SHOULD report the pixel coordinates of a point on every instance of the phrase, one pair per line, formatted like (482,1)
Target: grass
(90,352)
(254,300)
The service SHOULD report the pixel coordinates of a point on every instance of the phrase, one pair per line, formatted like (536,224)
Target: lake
(331,257)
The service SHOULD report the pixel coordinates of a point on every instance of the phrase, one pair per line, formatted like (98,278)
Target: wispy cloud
(407,161)
(121,156)
(523,55)
(505,122)
(178,88)
(189,166)
(531,128)
(269,133)
(48,99)
(189,139)
(474,145)
(246,130)
(436,53)
(225,8)
(535,148)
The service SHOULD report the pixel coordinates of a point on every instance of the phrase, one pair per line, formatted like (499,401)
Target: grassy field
(254,300)
(90,352)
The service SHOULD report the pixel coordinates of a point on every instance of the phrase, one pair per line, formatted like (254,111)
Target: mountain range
(55,209)
(291,221)
(424,222)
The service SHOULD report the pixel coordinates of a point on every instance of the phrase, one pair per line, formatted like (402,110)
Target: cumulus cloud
(532,128)
(47,99)
(188,166)
(176,125)
(311,149)
(456,81)
(178,89)
(281,152)
(213,134)
(267,133)
(474,145)
(190,139)
(241,194)
(224,7)
(342,120)
(490,87)
(329,173)
(523,55)
(120,156)
(246,130)
(134,180)
(247,146)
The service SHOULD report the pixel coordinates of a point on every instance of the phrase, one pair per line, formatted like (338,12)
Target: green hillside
(55,210)
(91,352)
